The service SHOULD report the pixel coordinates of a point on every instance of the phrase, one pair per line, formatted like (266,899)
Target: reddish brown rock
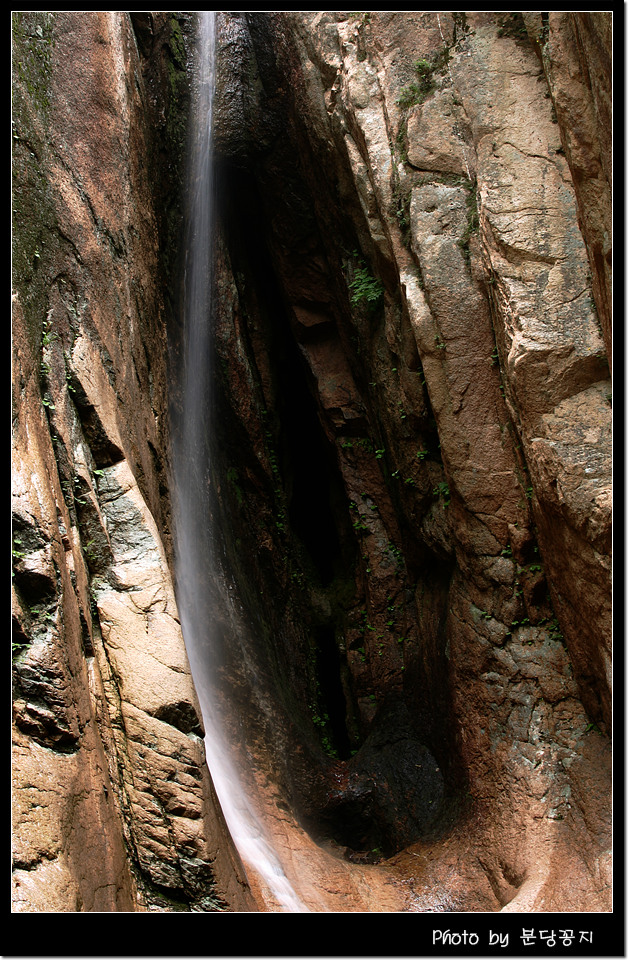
(477,364)
(411,473)
(114,807)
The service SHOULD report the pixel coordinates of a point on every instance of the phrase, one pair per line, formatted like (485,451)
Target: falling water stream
(194,549)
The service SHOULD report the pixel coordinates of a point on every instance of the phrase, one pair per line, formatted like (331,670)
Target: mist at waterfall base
(200,585)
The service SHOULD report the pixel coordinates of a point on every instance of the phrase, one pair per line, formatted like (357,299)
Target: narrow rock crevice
(406,617)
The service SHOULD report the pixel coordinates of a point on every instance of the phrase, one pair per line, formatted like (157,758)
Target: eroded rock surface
(411,248)
(411,473)
(114,807)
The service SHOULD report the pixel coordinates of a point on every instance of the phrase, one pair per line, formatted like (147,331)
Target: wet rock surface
(411,475)
(114,808)
(443,322)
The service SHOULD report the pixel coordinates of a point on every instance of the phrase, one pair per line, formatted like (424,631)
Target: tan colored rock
(434,138)
(577,55)
(498,297)
(550,339)
(467,464)
(108,751)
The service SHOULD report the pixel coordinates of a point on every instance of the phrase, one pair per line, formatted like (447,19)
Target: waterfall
(194,550)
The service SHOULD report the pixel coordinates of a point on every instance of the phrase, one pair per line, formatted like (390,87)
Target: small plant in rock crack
(410,96)
(417,91)
(18,553)
(366,287)
(442,490)
(473,220)
(396,554)
(17,647)
(363,16)
(555,633)
(48,334)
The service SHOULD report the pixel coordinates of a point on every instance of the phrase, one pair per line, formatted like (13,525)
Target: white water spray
(194,551)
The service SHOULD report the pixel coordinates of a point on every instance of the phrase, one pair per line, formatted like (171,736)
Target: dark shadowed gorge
(409,482)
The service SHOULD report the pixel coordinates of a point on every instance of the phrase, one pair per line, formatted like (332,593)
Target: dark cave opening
(383,802)
(331,691)
(312,484)
(385,799)
(317,506)
(307,471)
(356,824)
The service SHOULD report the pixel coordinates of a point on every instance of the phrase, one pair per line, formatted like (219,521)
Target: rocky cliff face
(411,468)
(113,803)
